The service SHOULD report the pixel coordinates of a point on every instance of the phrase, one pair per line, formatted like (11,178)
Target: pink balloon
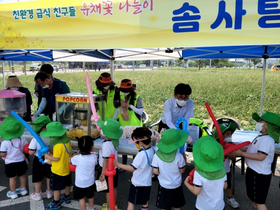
(94,117)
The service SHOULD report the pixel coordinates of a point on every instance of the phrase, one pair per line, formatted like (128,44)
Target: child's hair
(85,143)
(142,132)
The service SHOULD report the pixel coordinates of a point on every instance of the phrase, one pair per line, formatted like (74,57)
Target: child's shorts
(257,186)
(15,169)
(80,193)
(39,170)
(59,182)
(139,195)
(168,198)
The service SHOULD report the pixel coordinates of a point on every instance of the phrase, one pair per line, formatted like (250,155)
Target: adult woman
(132,102)
(105,86)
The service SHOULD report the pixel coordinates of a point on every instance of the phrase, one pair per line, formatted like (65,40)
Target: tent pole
(263,81)
(112,65)
(3,71)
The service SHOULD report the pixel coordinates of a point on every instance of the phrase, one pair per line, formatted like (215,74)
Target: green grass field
(230,93)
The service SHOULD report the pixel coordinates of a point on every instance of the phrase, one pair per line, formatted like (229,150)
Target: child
(111,129)
(85,173)
(141,181)
(168,163)
(11,130)
(60,174)
(209,179)
(259,157)
(227,132)
(39,170)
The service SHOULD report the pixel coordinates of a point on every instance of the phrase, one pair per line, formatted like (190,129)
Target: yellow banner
(106,24)
(72,99)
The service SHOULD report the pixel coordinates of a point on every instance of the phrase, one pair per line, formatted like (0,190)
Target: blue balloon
(185,128)
(44,148)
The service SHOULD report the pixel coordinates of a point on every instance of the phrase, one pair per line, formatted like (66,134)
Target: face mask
(107,87)
(125,93)
(46,86)
(138,147)
(181,102)
(259,126)
(228,139)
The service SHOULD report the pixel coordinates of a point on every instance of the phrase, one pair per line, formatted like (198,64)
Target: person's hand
(35,115)
(36,93)
(102,178)
(237,152)
(115,162)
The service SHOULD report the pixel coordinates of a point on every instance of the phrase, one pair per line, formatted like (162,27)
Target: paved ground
(23,202)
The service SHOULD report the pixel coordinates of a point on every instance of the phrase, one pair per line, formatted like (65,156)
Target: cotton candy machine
(12,100)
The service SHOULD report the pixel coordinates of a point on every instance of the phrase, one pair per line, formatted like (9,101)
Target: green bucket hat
(54,129)
(171,140)
(110,128)
(40,122)
(223,128)
(11,128)
(273,127)
(208,154)
(268,117)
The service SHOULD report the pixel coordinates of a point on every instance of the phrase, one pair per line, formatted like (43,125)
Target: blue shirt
(171,112)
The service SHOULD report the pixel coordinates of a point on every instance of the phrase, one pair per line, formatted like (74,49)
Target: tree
(255,61)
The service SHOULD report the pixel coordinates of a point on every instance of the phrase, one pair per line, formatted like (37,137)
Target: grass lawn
(230,93)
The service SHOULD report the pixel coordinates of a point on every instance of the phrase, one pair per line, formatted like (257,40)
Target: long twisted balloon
(94,117)
(221,139)
(44,148)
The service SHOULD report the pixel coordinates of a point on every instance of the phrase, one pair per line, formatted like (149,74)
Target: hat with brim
(11,128)
(104,80)
(268,117)
(110,128)
(13,81)
(171,140)
(208,154)
(224,128)
(54,129)
(126,86)
(40,122)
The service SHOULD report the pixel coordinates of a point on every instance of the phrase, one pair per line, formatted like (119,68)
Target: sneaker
(21,191)
(36,196)
(65,200)
(12,195)
(90,208)
(104,206)
(232,202)
(53,205)
(49,194)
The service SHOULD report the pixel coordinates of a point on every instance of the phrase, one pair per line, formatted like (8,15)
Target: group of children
(210,178)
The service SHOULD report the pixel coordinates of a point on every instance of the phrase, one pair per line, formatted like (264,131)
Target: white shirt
(142,176)
(35,146)
(85,170)
(169,174)
(107,148)
(211,196)
(227,164)
(171,112)
(264,144)
(14,149)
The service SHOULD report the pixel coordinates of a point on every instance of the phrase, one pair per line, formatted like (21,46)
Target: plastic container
(12,100)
